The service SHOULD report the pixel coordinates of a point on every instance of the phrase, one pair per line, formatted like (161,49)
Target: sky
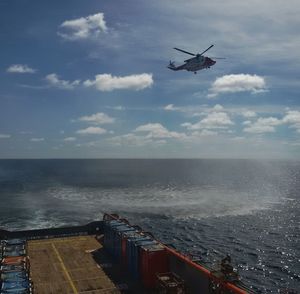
(89,79)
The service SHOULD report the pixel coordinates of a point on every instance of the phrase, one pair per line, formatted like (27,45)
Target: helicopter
(195,63)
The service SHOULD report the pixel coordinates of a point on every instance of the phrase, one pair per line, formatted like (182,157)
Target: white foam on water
(199,203)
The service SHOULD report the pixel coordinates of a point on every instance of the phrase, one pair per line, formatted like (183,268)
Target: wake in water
(48,193)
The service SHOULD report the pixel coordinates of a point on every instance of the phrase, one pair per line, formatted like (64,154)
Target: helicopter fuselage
(194,64)
(198,62)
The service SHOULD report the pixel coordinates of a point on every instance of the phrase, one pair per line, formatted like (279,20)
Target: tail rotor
(171,63)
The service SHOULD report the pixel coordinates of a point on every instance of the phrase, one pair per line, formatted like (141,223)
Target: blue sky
(86,79)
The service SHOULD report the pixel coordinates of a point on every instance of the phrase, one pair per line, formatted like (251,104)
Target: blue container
(15,242)
(14,247)
(12,268)
(108,225)
(14,253)
(118,234)
(113,236)
(130,243)
(136,256)
(15,286)
(14,276)
(15,291)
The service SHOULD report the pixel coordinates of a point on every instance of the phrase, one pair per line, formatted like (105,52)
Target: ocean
(206,208)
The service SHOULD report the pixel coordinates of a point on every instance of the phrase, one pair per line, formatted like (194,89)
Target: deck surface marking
(65,269)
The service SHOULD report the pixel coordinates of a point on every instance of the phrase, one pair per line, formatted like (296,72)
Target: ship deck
(66,265)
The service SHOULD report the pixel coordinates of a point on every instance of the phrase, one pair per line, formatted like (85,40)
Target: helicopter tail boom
(173,67)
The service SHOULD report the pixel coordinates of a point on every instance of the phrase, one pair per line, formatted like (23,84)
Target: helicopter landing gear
(195,72)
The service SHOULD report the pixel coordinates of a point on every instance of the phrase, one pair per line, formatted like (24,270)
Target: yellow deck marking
(65,269)
(42,242)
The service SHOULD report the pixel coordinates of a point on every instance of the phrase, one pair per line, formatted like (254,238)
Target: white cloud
(238,139)
(84,27)
(218,107)
(87,144)
(129,140)
(214,120)
(70,139)
(186,125)
(4,136)
(205,110)
(20,68)
(54,81)
(260,129)
(135,141)
(204,133)
(107,82)
(237,83)
(37,139)
(170,107)
(247,122)
(156,130)
(92,131)
(98,118)
(120,107)
(263,125)
(26,132)
(248,113)
(292,117)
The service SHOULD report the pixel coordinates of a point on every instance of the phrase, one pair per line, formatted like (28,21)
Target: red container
(153,260)
(16,260)
(123,253)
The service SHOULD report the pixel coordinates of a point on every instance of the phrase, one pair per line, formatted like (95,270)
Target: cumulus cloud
(214,120)
(247,122)
(218,107)
(20,68)
(248,114)
(263,125)
(119,107)
(107,82)
(237,83)
(83,28)
(186,125)
(170,107)
(54,81)
(129,140)
(88,144)
(156,130)
(98,119)
(92,131)
(204,133)
(207,109)
(37,139)
(292,117)
(70,139)
(269,124)
(4,136)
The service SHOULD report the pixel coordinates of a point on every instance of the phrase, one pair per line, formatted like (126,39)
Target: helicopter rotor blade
(185,51)
(205,50)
